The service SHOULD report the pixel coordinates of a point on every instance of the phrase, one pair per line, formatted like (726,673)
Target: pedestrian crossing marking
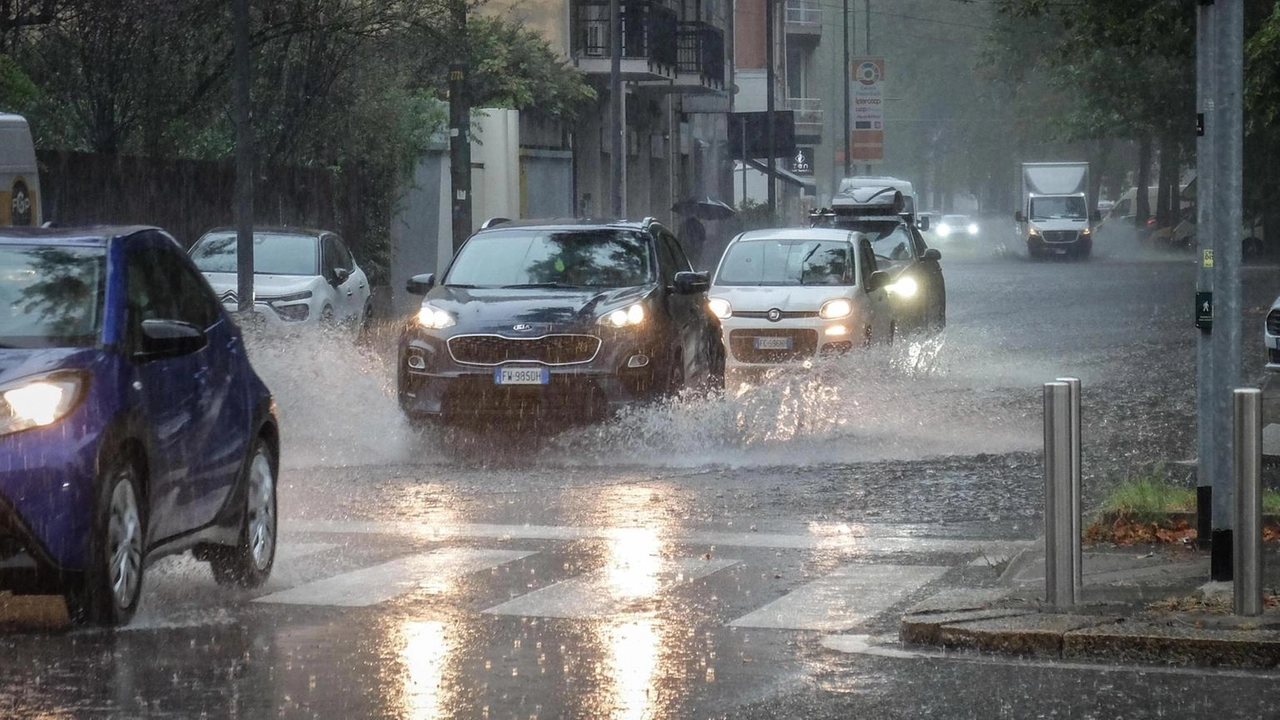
(373,585)
(600,594)
(844,599)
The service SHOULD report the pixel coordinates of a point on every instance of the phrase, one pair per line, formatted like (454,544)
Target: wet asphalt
(685,561)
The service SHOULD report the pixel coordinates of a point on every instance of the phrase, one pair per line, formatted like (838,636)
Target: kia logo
(774,315)
(522,327)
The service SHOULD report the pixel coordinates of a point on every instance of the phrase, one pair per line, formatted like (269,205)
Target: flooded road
(684,560)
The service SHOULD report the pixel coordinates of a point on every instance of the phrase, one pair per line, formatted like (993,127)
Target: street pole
(769,104)
(848,127)
(460,130)
(243,60)
(1204,274)
(1228,136)
(617,146)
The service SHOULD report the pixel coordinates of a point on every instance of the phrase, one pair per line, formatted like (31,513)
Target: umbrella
(706,208)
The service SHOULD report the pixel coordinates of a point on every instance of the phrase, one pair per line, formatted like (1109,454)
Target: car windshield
(273,253)
(540,257)
(889,238)
(787,262)
(1058,208)
(52,295)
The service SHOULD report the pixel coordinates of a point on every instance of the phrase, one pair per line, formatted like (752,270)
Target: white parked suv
(789,294)
(1272,336)
(300,276)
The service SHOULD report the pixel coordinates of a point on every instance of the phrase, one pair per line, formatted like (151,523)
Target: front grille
(1273,322)
(1060,236)
(547,350)
(786,314)
(742,343)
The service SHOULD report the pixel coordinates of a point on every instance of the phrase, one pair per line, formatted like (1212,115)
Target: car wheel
(326,316)
(249,562)
(112,584)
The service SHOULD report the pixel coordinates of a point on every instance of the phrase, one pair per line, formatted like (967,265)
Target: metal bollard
(1059,576)
(1077,530)
(1247,541)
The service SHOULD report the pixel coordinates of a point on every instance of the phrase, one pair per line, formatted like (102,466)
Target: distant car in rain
(956,228)
(300,276)
(1271,336)
(562,322)
(791,294)
(132,425)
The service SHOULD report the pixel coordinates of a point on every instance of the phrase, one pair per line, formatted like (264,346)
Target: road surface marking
(846,598)
(865,540)
(369,586)
(608,592)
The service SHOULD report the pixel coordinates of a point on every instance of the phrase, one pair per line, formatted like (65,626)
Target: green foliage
(1148,496)
(18,94)
(513,67)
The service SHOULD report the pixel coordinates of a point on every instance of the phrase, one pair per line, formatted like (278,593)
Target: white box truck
(1053,209)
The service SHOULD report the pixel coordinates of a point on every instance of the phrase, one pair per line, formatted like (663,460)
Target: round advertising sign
(20,210)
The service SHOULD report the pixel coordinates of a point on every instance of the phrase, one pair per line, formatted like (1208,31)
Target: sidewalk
(1143,604)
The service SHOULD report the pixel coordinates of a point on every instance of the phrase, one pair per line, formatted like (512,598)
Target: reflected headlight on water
(37,402)
(905,287)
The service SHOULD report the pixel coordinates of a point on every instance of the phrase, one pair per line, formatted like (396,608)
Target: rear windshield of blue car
(51,296)
(788,262)
(543,258)
(273,253)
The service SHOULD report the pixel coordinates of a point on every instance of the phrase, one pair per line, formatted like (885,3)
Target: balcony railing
(649,31)
(808,115)
(804,12)
(702,53)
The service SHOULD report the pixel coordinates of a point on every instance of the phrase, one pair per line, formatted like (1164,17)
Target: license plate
(773,343)
(521,376)
(1060,251)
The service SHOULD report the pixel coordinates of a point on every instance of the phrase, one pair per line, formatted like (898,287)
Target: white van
(20,197)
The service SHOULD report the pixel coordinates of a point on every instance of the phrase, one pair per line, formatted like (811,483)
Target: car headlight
(1034,232)
(1086,231)
(944,229)
(720,308)
(433,318)
(292,313)
(973,228)
(624,317)
(39,401)
(835,309)
(905,287)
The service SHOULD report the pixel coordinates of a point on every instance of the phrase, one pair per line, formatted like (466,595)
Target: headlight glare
(720,308)
(973,228)
(624,317)
(905,287)
(433,318)
(38,402)
(838,308)
(944,229)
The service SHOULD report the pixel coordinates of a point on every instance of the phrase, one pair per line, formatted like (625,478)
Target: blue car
(132,425)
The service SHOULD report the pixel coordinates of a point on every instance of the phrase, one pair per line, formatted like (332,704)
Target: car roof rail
(493,221)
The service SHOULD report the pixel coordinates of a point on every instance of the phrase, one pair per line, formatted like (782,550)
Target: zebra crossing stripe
(848,597)
(602,593)
(372,585)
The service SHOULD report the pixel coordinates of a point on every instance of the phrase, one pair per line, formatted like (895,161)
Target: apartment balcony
(804,19)
(808,118)
(650,34)
(700,66)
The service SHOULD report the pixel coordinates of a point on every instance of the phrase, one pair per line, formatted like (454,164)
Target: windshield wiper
(525,286)
(464,286)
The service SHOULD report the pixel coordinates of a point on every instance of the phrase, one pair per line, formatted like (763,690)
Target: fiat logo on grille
(522,327)
(774,315)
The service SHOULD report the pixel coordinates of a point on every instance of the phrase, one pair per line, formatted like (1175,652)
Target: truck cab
(1053,209)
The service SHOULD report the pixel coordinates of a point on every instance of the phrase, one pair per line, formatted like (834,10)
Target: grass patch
(1148,497)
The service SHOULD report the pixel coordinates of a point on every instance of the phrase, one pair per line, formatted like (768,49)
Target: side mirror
(692,283)
(931,254)
(879,280)
(170,338)
(1019,216)
(924,223)
(338,275)
(420,284)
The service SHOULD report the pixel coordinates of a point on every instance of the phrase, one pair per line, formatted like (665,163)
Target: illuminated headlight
(904,287)
(944,229)
(624,317)
(433,318)
(834,309)
(973,228)
(720,308)
(1034,232)
(1086,231)
(37,402)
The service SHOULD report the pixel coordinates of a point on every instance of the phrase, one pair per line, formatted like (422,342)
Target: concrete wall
(546,183)
(420,222)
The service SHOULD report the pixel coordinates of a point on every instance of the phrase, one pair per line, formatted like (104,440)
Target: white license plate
(521,376)
(1060,251)
(773,343)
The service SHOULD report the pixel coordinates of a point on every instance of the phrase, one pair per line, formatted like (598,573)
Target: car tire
(326,316)
(249,562)
(108,593)
(673,383)
(716,371)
